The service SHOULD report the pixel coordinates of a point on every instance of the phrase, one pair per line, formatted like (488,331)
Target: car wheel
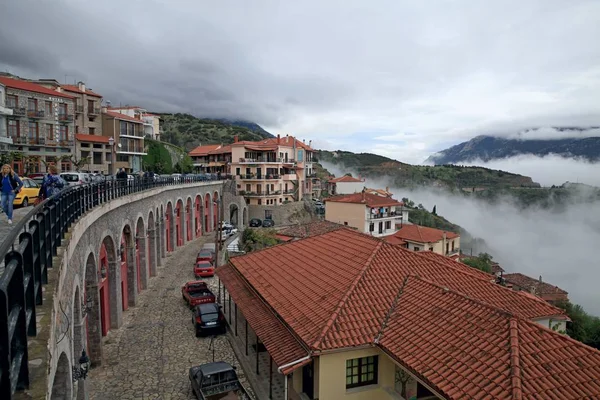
(198,333)
(25,202)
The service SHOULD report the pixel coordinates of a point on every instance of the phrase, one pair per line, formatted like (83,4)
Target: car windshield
(205,253)
(203,265)
(210,317)
(70,177)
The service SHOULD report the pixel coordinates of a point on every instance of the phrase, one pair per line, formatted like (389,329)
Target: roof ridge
(346,296)
(391,310)
(251,288)
(515,360)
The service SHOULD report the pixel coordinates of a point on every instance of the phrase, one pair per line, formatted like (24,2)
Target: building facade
(42,125)
(128,135)
(151,122)
(423,238)
(212,159)
(369,213)
(346,185)
(97,149)
(546,291)
(5,141)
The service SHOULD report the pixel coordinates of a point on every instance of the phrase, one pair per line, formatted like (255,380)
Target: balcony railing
(259,193)
(260,160)
(79,109)
(19,111)
(65,118)
(262,177)
(36,113)
(66,143)
(392,214)
(131,149)
(135,134)
(452,252)
(93,111)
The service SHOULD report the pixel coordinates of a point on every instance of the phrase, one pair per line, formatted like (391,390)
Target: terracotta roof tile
(123,117)
(310,229)
(221,150)
(529,283)
(345,178)
(279,341)
(31,87)
(82,137)
(204,150)
(75,89)
(272,143)
(456,264)
(423,234)
(368,199)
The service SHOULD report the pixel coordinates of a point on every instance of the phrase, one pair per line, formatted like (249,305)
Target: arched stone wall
(62,387)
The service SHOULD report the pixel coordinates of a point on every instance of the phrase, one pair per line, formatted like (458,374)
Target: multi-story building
(5,141)
(423,238)
(369,213)
(272,171)
(151,122)
(98,151)
(346,185)
(128,136)
(546,291)
(42,125)
(212,158)
(88,109)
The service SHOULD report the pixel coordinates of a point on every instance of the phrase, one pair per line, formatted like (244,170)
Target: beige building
(346,185)
(369,213)
(212,159)
(98,151)
(421,238)
(343,315)
(151,122)
(128,135)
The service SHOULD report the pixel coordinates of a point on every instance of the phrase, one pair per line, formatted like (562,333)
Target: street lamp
(111,143)
(83,369)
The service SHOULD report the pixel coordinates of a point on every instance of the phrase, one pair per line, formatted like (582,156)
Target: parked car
(208,318)
(229,233)
(197,292)
(206,255)
(255,223)
(268,223)
(216,380)
(28,194)
(210,246)
(226,226)
(37,177)
(76,178)
(204,269)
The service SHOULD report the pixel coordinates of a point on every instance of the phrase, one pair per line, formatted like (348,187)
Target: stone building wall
(298,212)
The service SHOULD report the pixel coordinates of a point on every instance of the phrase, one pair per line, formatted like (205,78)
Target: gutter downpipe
(285,378)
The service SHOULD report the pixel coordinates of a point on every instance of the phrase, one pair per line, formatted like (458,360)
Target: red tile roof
(75,89)
(281,344)
(345,178)
(423,234)
(468,349)
(31,87)
(82,137)
(368,199)
(380,192)
(221,150)
(496,268)
(204,150)
(394,240)
(122,117)
(310,229)
(529,283)
(272,143)
(456,264)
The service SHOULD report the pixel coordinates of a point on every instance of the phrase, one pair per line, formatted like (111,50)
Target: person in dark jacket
(11,185)
(52,183)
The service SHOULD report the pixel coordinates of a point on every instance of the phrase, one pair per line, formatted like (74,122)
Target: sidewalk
(5,228)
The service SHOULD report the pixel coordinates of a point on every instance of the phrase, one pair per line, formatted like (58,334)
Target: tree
(9,157)
(402,377)
(434,211)
(348,174)
(408,203)
(482,262)
(583,326)
(78,163)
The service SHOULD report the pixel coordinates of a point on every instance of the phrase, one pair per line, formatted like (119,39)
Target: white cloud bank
(561,247)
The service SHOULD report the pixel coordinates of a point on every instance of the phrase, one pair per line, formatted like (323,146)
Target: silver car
(76,178)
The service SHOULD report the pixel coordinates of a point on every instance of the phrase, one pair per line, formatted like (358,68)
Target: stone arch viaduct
(105,262)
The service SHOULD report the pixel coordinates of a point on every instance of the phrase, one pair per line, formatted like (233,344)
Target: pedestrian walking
(51,184)
(11,185)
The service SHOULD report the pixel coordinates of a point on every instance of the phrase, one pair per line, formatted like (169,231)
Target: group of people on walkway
(12,185)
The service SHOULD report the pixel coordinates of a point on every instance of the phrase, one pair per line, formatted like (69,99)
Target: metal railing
(27,254)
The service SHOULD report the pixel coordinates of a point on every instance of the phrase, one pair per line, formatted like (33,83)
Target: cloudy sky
(399,78)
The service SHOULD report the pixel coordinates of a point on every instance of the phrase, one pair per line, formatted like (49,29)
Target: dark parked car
(267,223)
(216,380)
(255,223)
(208,318)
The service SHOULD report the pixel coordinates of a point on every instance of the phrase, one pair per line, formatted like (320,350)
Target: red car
(197,292)
(206,255)
(204,269)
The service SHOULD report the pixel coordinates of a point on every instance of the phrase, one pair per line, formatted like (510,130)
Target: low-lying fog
(561,247)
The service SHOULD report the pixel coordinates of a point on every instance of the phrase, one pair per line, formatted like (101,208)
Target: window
(63,132)
(62,109)
(92,131)
(447,247)
(32,105)
(13,128)
(453,245)
(32,132)
(237,171)
(388,224)
(48,109)
(371,227)
(300,155)
(431,249)
(361,371)
(417,248)
(11,101)
(49,132)
(90,106)
(123,127)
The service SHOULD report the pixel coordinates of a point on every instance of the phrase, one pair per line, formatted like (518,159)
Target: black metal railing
(27,254)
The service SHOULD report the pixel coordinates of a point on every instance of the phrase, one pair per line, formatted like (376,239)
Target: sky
(559,246)
(398,78)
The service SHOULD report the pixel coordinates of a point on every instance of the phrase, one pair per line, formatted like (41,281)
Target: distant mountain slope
(187,131)
(488,148)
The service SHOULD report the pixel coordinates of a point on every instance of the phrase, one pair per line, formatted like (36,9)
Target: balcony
(259,177)
(132,149)
(290,177)
(5,110)
(93,111)
(392,214)
(261,193)
(453,252)
(66,143)
(18,111)
(65,118)
(36,114)
(134,134)
(79,109)
(261,160)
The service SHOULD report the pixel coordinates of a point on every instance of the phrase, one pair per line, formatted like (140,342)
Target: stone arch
(215,209)
(189,226)
(169,227)
(97,319)
(129,276)
(62,387)
(78,337)
(179,224)
(140,254)
(108,260)
(152,244)
(160,221)
(198,215)
(245,217)
(207,213)
(234,215)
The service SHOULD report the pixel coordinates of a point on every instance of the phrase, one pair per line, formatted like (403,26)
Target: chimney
(104,109)
(363,195)
(278,138)
(387,189)
(540,279)
(236,138)
(81,86)
(310,143)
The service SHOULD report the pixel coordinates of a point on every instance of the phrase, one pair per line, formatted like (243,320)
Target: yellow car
(28,194)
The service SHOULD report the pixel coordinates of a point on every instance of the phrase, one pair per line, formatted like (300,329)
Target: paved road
(149,356)
(5,228)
